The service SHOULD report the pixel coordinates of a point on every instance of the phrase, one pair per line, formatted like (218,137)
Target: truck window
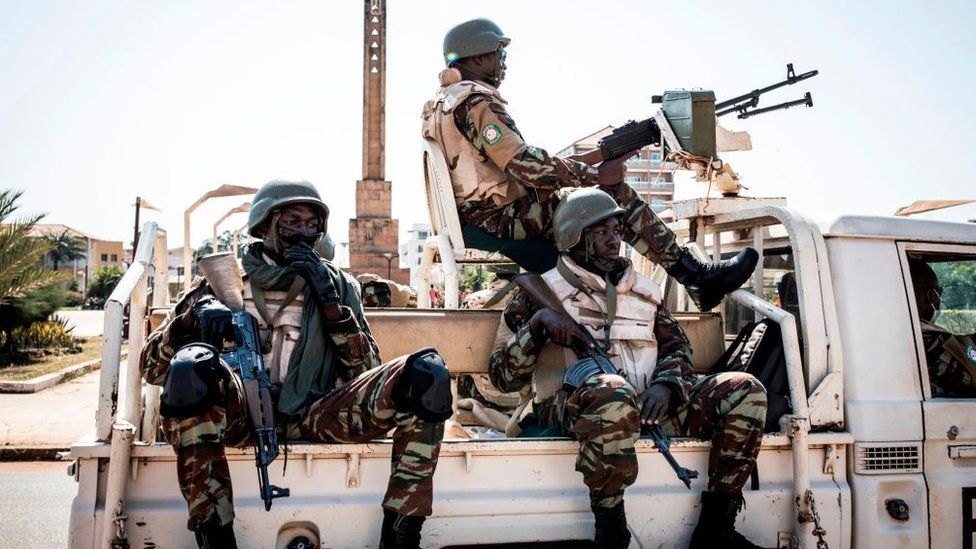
(945,297)
(779,288)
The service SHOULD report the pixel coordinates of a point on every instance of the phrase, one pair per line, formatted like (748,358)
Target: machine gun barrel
(751,99)
(807,100)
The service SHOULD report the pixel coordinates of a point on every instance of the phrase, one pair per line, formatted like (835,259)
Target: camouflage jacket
(531,166)
(951,362)
(513,359)
(355,350)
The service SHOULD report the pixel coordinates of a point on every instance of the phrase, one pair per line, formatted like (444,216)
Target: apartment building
(646,173)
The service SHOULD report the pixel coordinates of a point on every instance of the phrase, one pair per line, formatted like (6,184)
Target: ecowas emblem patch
(971,351)
(491,133)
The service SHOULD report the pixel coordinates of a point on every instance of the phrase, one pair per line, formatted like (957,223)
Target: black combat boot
(716,523)
(215,536)
(400,531)
(611,527)
(708,283)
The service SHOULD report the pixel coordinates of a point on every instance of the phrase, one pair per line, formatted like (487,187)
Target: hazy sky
(101,101)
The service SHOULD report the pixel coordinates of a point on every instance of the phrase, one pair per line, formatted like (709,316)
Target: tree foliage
(21,256)
(64,248)
(958,280)
(474,278)
(224,241)
(36,306)
(103,282)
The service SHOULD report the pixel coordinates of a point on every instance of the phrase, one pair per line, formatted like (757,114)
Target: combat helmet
(578,210)
(473,37)
(278,193)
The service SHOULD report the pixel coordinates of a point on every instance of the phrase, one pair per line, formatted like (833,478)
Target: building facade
(647,173)
(98,252)
(412,250)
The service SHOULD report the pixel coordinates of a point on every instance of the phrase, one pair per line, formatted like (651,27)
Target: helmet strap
(271,239)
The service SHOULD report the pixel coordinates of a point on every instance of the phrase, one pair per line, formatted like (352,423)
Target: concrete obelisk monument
(373,234)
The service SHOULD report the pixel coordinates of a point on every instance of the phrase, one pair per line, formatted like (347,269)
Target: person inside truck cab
(951,359)
(328,383)
(506,190)
(654,381)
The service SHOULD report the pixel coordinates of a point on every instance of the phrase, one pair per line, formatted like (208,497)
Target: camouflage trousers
(604,416)
(358,411)
(531,217)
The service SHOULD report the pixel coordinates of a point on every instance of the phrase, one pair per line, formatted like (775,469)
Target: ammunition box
(691,114)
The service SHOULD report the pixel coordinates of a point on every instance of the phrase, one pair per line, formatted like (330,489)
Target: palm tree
(21,256)
(65,248)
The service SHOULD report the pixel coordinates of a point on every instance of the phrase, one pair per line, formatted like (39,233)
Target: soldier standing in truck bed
(507,188)
(327,380)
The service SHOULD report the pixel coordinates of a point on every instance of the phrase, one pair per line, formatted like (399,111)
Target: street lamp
(243,208)
(219,192)
(389,264)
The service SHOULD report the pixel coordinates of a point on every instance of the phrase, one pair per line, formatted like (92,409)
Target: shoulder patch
(971,352)
(491,133)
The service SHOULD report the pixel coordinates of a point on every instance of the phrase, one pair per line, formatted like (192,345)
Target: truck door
(941,289)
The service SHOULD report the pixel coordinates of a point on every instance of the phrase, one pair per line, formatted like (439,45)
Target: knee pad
(191,386)
(424,387)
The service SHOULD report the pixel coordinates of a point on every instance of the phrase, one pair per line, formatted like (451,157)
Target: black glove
(214,320)
(311,267)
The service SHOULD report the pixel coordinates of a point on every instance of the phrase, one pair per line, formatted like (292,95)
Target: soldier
(328,383)
(951,358)
(506,188)
(655,381)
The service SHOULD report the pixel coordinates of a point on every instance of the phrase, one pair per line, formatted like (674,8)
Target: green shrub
(36,306)
(102,284)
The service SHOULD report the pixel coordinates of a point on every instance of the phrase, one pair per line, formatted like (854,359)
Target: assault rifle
(586,347)
(244,355)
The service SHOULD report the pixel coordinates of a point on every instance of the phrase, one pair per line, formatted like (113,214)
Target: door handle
(962,452)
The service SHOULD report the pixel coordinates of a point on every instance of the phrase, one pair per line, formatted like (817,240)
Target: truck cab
(867,456)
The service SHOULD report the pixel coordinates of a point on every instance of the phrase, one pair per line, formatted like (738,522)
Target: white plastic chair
(447,242)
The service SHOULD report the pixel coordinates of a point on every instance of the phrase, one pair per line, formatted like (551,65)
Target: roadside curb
(47,381)
(15,453)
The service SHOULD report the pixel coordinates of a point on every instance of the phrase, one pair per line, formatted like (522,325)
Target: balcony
(647,186)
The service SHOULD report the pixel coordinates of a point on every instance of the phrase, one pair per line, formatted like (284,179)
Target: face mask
(292,237)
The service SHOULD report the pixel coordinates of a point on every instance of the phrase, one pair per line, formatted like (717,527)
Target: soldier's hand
(654,403)
(213,319)
(561,329)
(612,171)
(309,265)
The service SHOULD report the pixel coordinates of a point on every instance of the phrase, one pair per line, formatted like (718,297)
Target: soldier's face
(297,223)
(928,294)
(604,240)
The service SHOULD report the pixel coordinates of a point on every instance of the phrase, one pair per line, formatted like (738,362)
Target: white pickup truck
(867,458)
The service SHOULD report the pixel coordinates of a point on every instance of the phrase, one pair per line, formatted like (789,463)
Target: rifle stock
(542,294)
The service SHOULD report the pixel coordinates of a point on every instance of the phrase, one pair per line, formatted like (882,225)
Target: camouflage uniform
(951,362)
(359,410)
(542,174)
(604,413)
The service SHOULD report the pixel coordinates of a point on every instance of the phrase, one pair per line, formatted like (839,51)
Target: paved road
(35,504)
(86,323)
(56,417)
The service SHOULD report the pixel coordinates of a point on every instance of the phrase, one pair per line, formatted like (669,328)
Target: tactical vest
(473,175)
(279,325)
(633,348)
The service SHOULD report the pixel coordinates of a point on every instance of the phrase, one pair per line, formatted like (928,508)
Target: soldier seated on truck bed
(654,383)
(325,368)
(506,189)
(951,358)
